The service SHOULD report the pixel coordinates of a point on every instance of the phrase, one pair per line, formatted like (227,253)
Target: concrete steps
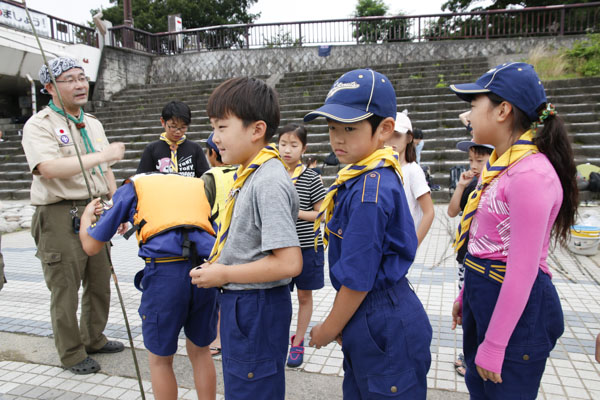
(421,87)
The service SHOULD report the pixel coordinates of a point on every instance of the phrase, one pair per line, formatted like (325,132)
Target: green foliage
(584,57)
(282,39)
(416,76)
(306,93)
(378,31)
(370,8)
(151,15)
(470,5)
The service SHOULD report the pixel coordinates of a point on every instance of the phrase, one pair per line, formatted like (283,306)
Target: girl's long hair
(410,154)
(552,139)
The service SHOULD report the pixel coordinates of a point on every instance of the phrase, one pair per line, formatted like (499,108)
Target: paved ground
(29,367)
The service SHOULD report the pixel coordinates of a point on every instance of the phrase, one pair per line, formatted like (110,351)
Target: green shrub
(585,56)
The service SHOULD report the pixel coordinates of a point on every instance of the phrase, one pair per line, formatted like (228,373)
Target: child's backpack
(594,185)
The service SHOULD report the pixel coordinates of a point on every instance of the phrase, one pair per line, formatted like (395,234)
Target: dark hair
(481,150)
(177,110)
(417,133)
(374,120)
(298,130)
(249,99)
(410,153)
(211,151)
(552,140)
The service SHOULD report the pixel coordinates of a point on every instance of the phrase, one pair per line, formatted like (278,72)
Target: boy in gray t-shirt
(257,250)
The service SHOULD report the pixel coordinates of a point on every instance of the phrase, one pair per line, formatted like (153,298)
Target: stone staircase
(133,116)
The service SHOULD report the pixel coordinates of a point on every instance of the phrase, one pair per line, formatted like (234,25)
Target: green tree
(391,30)
(151,15)
(370,8)
(464,5)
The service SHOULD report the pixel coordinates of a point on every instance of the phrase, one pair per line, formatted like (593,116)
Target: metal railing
(12,14)
(535,21)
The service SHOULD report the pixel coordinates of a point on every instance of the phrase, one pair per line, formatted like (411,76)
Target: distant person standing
(419,143)
(60,194)
(173,153)
(2,277)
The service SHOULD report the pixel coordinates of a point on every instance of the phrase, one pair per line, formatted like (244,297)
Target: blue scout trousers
(535,335)
(386,346)
(255,326)
(170,302)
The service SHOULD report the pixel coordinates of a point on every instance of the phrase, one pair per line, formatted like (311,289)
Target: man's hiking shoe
(87,366)
(112,346)
(296,354)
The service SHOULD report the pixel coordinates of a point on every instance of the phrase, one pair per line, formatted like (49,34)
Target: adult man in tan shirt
(59,193)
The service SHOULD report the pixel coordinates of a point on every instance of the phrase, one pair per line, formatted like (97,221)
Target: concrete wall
(121,67)
(118,69)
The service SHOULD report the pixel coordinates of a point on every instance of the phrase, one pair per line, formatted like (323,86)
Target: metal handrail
(531,21)
(60,29)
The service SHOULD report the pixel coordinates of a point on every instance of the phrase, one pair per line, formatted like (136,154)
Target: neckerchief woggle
(173,146)
(385,157)
(266,153)
(494,167)
(297,172)
(79,124)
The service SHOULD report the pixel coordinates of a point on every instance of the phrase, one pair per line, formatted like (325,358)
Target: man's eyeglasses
(175,129)
(72,81)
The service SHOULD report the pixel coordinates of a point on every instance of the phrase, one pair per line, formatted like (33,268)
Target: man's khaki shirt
(46,137)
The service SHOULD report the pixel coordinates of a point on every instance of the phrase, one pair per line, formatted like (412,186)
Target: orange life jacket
(166,202)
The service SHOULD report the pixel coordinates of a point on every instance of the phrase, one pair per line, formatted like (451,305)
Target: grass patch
(416,76)
(582,60)
(441,83)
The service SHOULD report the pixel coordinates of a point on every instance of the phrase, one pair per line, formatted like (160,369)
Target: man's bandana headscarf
(58,65)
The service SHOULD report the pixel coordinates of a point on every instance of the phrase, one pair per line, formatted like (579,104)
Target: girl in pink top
(527,193)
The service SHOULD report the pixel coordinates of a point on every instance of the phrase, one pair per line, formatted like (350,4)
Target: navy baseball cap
(356,96)
(515,82)
(465,145)
(212,144)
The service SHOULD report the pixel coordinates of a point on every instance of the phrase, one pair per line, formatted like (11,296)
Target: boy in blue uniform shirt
(173,216)
(376,316)
(257,251)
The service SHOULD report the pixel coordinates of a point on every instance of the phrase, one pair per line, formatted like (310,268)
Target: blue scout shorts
(386,346)
(534,337)
(170,302)
(312,276)
(255,328)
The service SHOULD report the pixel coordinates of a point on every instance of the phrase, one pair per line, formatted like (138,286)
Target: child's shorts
(386,346)
(312,276)
(535,335)
(255,328)
(170,302)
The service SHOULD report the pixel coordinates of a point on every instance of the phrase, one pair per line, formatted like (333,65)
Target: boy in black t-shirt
(172,153)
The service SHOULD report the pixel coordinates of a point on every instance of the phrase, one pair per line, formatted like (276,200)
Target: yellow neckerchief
(266,153)
(297,172)
(385,157)
(494,167)
(173,146)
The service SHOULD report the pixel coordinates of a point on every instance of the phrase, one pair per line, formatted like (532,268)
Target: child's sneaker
(296,354)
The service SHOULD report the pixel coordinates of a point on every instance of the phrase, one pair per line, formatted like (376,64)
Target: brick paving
(571,371)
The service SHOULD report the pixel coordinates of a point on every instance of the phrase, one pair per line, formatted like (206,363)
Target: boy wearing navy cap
(372,243)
